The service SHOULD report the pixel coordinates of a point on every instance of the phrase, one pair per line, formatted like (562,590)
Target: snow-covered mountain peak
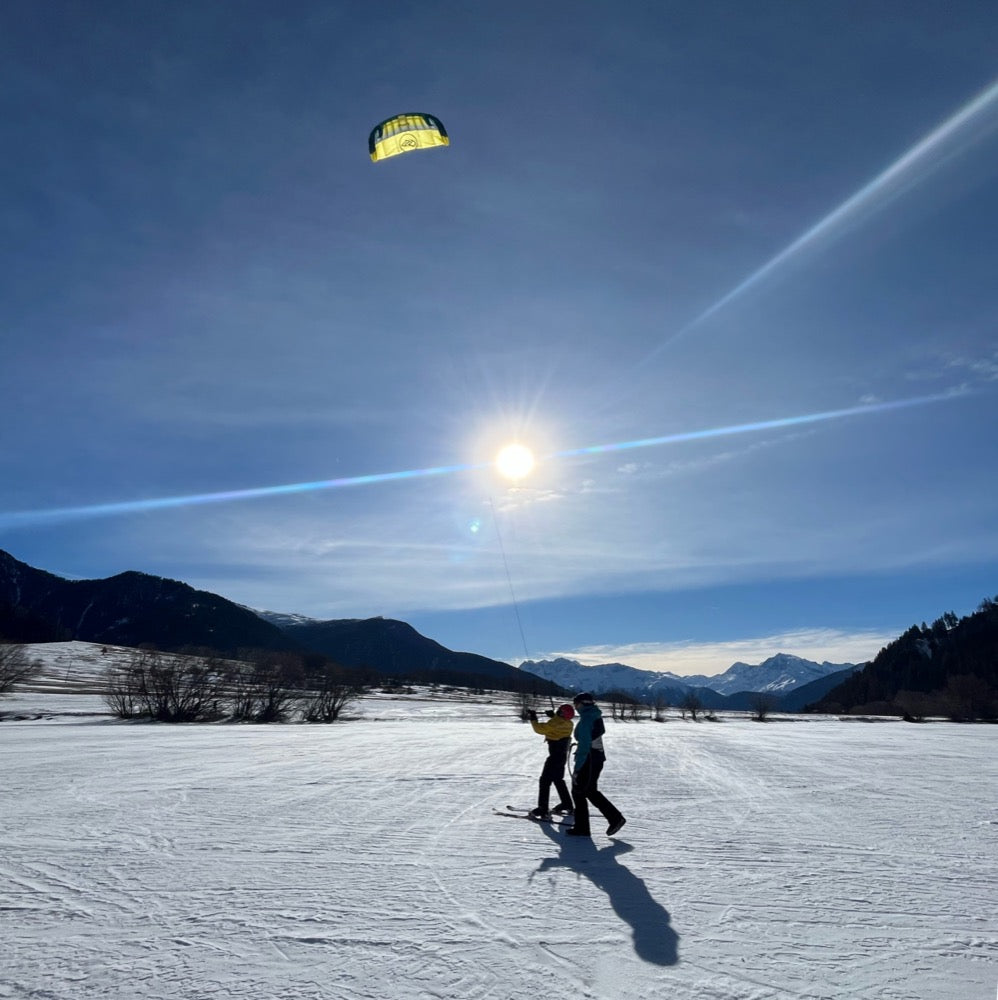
(778,674)
(282,620)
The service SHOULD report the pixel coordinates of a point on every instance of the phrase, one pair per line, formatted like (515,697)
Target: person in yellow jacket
(557,732)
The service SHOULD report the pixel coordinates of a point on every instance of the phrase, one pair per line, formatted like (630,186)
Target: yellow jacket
(556,728)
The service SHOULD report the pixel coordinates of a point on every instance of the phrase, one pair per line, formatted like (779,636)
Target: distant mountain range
(778,675)
(129,609)
(389,647)
(136,609)
(784,677)
(954,660)
(133,609)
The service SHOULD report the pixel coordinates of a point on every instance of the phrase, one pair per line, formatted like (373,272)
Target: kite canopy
(404,133)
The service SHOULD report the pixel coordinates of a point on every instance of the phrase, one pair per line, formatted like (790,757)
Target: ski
(526,809)
(514,813)
(561,821)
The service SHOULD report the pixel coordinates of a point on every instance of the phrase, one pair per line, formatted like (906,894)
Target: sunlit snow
(796,858)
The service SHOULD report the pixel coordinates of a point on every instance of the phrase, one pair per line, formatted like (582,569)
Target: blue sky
(661,234)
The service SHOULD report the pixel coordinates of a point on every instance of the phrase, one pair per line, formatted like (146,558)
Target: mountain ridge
(948,668)
(136,609)
(779,674)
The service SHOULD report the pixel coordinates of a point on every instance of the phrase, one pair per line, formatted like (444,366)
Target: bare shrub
(915,705)
(122,693)
(15,666)
(691,703)
(165,688)
(266,689)
(525,703)
(761,704)
(621,704)
(331,692)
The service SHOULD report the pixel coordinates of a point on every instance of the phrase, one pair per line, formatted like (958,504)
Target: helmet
(583,698)
(566,711)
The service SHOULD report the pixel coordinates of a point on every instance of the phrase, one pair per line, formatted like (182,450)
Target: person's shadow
(653,936)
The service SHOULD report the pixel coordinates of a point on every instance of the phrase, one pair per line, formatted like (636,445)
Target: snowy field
(792,859)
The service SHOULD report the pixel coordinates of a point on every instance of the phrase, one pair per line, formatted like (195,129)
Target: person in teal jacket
(589,761)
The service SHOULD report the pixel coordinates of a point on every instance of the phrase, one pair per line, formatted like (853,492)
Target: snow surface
(791,859)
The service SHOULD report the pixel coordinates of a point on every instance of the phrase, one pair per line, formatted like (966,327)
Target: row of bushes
(273,688)
(625,707)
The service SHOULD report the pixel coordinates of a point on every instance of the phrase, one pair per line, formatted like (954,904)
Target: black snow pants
(585,790)
(553,773)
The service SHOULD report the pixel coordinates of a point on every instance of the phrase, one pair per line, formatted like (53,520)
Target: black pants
(585,790)
(553,773)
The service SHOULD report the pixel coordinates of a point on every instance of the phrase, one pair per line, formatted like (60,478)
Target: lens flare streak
(21,518)
(888,184)
(762,425)
(27,518)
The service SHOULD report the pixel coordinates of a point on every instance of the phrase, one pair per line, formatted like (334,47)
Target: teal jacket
(588,734)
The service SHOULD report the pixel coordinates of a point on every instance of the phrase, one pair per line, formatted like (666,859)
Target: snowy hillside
(76,667)
(362,860)
(778,675)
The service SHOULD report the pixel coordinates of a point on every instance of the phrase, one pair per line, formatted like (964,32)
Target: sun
(515,461)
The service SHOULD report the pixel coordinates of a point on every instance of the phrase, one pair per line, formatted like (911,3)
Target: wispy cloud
(976,370)
(961,373)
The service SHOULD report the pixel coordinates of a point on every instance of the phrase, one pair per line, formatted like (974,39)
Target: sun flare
(515,461)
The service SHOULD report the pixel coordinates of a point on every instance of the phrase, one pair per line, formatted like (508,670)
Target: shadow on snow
(654,939)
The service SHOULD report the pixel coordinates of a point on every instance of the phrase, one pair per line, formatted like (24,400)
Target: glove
(532,715)
(549,713)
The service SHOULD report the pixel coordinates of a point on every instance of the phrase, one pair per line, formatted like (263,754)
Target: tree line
(948,669)
(626,707)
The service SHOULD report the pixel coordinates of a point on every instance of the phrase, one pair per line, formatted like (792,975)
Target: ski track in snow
(815,859)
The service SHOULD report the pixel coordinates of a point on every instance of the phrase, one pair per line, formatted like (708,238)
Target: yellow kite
(404,133)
